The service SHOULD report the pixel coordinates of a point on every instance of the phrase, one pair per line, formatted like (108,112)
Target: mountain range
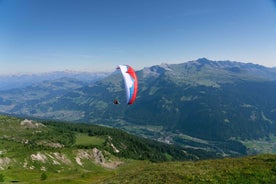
(210,105)
(24,80)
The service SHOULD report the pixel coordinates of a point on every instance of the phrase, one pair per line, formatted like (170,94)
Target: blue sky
(97,35)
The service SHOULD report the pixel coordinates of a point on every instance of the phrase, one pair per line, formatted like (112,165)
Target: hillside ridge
(56,152)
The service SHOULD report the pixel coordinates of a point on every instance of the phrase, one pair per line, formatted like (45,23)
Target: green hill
(57,152)
(30,149)
(254,169)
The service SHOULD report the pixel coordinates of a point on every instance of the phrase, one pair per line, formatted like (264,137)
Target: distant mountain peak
(156,70)
(204,60)
(206,69)
(225,64)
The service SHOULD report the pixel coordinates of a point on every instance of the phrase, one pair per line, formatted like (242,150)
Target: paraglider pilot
(116,102)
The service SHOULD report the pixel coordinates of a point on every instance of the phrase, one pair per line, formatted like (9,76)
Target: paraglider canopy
(131,82)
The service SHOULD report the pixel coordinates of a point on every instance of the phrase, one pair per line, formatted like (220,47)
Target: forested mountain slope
(193,102)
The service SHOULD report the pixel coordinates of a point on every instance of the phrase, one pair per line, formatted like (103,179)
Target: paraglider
(131,83)
(116,102)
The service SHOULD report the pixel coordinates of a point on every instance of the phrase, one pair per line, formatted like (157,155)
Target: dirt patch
(62,158)
(50,144)
(4,162)
(95,156)
(30,124)
(39,157)
(98,156)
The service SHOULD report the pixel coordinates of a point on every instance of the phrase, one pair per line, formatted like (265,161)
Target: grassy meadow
(33,152)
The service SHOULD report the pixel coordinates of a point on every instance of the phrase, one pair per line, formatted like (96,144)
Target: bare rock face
(4,162)
(95,155)
(98,156)
(39,157)
(30,124)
